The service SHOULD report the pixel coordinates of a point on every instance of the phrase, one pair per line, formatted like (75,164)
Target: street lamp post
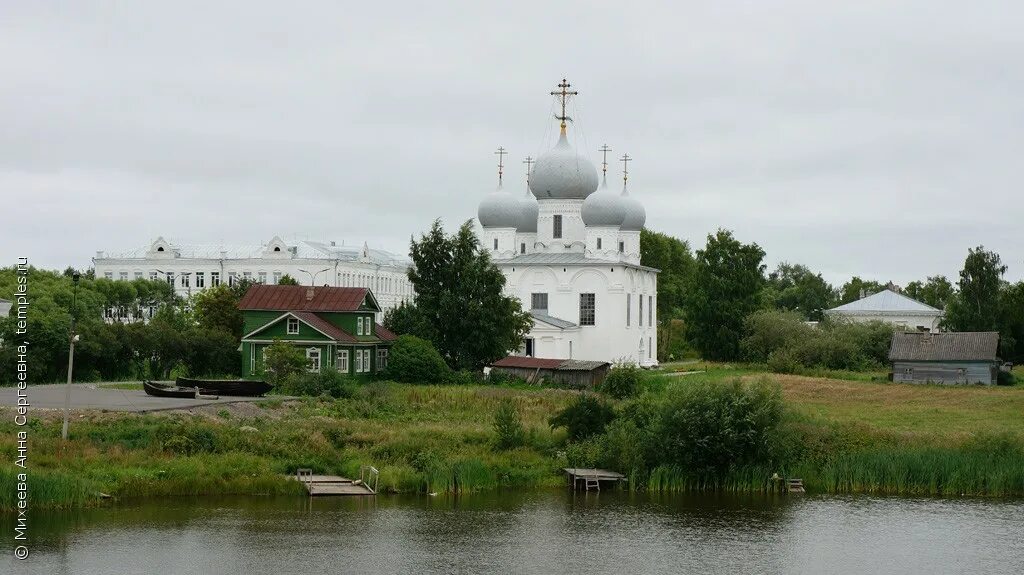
(71,356)
(312,276)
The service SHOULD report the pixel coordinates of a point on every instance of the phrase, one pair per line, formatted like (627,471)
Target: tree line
(705,297)
(128,329)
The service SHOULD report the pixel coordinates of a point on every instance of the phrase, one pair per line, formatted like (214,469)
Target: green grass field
(866,435)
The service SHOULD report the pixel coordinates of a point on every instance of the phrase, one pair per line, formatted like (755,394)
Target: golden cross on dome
(625,159)
(604,149)
(529,164)
(501,162)
(563,94)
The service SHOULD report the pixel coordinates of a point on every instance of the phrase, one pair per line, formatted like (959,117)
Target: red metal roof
(528,362)
(328,328)
(297,298)
(384,333)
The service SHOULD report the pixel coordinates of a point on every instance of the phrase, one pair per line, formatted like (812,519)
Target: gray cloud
(878,139)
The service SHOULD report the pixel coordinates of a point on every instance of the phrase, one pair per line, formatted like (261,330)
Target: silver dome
(529,210)
(499,210)
(635,215)
(562,174)
(603,208)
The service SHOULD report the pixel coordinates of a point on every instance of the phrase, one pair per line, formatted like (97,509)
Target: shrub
(768,331)
(783,361)
(585,416)
(326,382)
(283,360)
(414,360)
(623,381)
(709,428)
(462,377)
(1005,378)
(508,426)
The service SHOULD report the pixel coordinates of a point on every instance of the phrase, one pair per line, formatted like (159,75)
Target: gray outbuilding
(952,357)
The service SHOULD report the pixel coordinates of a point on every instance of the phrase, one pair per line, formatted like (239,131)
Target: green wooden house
(333,326)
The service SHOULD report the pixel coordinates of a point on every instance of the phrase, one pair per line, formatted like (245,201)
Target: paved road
(92,396)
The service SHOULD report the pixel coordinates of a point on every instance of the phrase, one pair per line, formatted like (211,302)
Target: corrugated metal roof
(885,301)
(295,298)
(950,346)
(324,326)
(566,258)
(552,320)
(523,362)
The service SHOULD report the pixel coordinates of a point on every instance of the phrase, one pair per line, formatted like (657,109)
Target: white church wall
(610,338)
(573,229)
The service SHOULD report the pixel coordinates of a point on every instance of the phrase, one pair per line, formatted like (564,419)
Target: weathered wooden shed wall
(577,379)
(944,372)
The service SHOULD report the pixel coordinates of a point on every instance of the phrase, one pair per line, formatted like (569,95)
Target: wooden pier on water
(590,479)
(327,485)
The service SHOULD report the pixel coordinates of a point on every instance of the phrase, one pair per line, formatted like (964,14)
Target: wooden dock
(335,485)
(590,479)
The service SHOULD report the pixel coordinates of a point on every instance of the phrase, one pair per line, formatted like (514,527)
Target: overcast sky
(872,138)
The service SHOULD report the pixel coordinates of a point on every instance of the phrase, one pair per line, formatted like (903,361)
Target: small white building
(890,307)
(570,251)
(191,268)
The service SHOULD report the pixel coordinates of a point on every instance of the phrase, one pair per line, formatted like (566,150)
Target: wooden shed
(953,357)
(573,373)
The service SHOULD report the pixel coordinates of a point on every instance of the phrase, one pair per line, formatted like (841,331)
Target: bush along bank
(693,434)
(732,436)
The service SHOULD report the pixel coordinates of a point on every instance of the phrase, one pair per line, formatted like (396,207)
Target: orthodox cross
(604,158)
(563,94)
(529,164)
(501,162)
(625,166)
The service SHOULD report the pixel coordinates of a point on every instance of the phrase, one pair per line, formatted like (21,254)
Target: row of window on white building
(588,308)
(380,284)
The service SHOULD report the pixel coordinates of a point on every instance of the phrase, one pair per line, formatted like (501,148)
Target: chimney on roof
(309,293)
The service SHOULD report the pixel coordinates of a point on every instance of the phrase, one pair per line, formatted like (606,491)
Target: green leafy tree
(406,318)
(852,290)
(283,360)
(936,291)
(1011,316)
(673,257)
(241,286)
(976,305)
(287,280)
(793,287)
(216,308)
(459,294)
(726,287)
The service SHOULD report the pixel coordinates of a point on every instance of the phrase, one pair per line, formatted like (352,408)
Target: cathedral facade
(570,250)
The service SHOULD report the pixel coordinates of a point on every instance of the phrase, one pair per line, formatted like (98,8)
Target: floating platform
(587,478)
(334,485)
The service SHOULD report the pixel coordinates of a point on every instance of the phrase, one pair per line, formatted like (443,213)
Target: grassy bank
(840,435)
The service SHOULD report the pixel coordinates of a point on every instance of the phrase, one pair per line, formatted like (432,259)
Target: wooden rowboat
(165,390)
(227,387)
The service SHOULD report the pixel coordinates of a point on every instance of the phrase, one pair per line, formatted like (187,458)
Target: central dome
(562,174)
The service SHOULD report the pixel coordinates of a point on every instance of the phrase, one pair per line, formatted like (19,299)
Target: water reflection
(537,532)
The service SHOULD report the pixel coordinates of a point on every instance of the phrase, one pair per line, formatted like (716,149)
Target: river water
(549,532)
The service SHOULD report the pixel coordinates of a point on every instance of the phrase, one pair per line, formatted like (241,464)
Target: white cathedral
(571,253)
